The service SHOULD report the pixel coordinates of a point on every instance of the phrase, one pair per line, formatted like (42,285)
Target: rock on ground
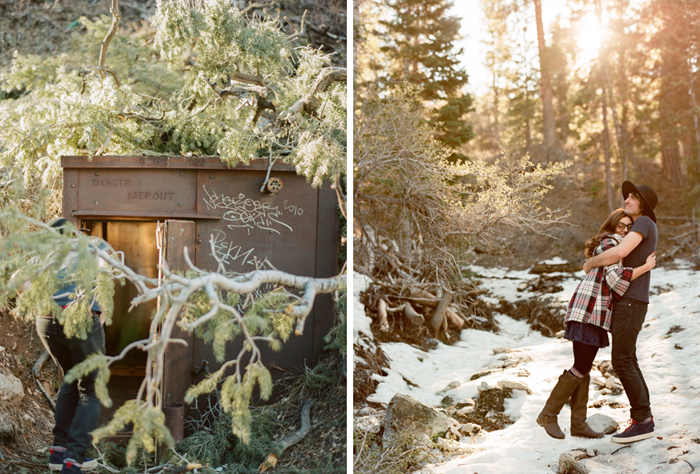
(11,389)
(602,423)
(406,416)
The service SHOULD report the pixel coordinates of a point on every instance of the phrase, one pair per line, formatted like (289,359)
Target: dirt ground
(20,348)
(27,450)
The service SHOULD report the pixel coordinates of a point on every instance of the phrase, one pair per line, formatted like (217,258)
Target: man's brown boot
(561,393)
(579,407)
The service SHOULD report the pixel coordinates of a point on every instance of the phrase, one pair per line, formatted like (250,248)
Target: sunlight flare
(589,35)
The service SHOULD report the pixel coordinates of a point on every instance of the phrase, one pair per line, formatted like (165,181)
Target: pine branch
(309,103)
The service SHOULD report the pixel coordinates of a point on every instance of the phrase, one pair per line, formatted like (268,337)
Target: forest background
(609,86)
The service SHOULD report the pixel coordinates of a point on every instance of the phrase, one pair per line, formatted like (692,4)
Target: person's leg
(51,335)
(561,393)
(87,412)
(627,321)
(584,355)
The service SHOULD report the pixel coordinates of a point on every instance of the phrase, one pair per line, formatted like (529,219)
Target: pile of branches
(687,238)
(417,217)
(417,311)
(202,80)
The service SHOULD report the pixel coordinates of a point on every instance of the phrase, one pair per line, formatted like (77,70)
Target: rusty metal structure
(150,208)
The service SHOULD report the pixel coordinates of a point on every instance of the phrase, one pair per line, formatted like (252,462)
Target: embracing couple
(612,297)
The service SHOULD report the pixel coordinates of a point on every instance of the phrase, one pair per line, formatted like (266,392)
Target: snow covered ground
(669,359)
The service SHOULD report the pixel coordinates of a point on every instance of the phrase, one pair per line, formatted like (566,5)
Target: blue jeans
(77,407)
(627,320)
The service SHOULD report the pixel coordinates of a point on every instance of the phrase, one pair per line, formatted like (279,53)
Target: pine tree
(678,121)
(419,39)
(548,120)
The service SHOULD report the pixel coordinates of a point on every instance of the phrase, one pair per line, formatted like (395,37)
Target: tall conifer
(419,37)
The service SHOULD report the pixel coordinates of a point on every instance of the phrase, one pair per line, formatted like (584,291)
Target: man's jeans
(77,408)
(627,319)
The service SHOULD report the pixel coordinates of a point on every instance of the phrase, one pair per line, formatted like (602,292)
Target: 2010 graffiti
(250,213)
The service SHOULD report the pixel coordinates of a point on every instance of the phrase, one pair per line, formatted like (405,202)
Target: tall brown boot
(579,407)
(561,393)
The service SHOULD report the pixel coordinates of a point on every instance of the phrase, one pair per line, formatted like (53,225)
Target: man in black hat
(629,312)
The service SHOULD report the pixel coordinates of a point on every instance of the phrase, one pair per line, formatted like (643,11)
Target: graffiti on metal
(243,212)
(297,211)
(228,252)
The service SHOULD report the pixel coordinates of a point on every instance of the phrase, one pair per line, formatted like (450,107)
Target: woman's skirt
(587,334)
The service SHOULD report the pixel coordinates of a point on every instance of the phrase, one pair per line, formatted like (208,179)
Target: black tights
(584,355)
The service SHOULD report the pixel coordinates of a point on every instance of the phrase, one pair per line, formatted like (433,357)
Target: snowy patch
(554,261)
(669,357)
(360,321)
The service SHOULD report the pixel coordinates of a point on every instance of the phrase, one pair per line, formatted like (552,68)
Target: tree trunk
(696,120)
(548,120)
(627,152)
(671,158)
(496,124)
(675,81)
(606,152)
(528,129)
(607,89)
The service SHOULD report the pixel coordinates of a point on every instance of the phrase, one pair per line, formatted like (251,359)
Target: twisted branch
(104,44)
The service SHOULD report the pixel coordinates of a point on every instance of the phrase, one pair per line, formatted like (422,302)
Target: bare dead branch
(256,5)
(439,314)
(36,370)
(249,79)
(382,314)
(309,103)
(292,439)
(104,44)
(412,315)
(297,33)
(453,319)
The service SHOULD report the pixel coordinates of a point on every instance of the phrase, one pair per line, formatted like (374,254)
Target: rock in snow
(602,423)
(406,415)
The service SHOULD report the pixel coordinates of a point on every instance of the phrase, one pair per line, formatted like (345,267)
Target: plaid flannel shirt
(592,301)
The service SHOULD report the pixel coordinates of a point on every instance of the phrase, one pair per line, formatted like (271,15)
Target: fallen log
(398,309)
(418,293)
(422,301)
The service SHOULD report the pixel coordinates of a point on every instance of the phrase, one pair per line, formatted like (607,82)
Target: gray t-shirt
(639,288)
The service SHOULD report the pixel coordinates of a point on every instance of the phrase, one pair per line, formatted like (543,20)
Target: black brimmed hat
(647,195)
(60,223)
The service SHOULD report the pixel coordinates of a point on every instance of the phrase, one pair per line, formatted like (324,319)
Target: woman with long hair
(588,320)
